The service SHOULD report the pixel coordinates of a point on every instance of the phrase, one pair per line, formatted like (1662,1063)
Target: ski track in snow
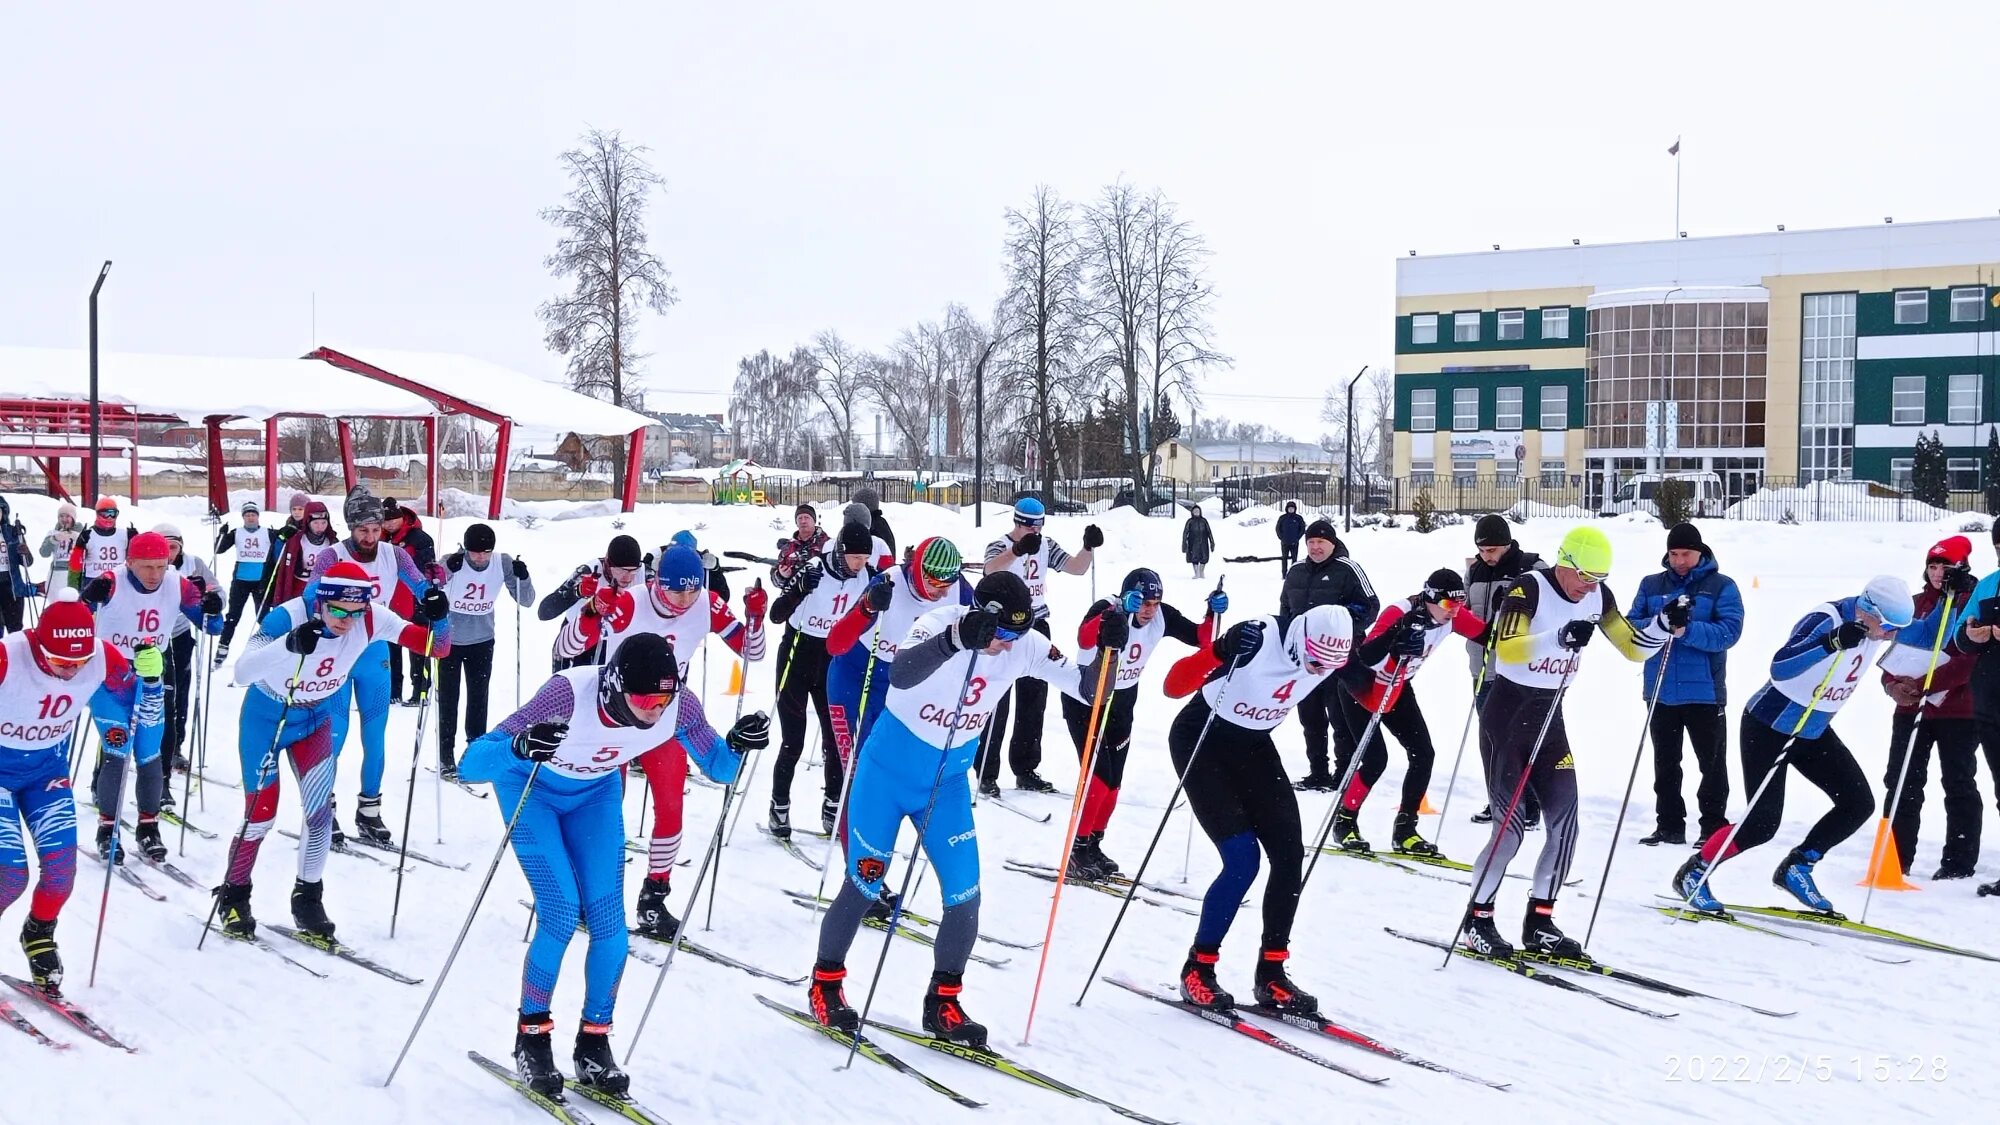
(233,1030)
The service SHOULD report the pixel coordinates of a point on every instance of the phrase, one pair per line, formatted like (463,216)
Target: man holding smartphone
(1978,633)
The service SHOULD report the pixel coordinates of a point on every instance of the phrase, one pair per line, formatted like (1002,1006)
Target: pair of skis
(55,1002)
(1522,968)
(1413,863)
(791,848)
(907,933)
(919,919)
(1812,919)
(1117,886)
(564,1110)
(350,846)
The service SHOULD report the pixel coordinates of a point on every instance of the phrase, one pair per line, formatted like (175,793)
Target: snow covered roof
(521,397)
(194,387)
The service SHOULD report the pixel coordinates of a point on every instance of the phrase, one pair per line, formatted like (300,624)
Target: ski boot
(110,849)
(1408,841)
(534,1059)
(1084,863)
(654,917)
(1347,834)
(368,823)
(1484,815)
(829,814)
(827,1001)
(1274,989)
(166,791)
(1482,936)
(1198,984)
(38,941)
(221,654)
(1540,937)
(447,764)
(944,1016)
(1104,862)
(1316,781)
(1531,818)
(308,912)
(232,910)
(1690,883)
(1032,782)
(781,821)
(147,837)
(1665,836)
(181,763)
(989,788)
(595,1065)
(884,906)
(1795,876)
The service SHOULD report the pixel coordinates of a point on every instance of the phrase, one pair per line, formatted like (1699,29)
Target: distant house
(686,441)
(1200,462)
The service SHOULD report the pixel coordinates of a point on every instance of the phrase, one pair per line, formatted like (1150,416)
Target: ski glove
(434,605)
(1113,630)
(1028,545)
(211,603)
(755,601)
(520,571)
(454,561)
(751,732)
(1958,580)
(148,662)
(304,638)
(977,629)
(1093,537)
(807,580)
(98,590)
(539,742)
(1218,603)
(1240,644)
(1410,636)
(1675,614)
(1576,634)
(1849,635)
(879,593)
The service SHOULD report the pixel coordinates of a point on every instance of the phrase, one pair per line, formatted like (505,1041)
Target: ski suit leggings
(368,684)
(1242,799)
(1107,759)
(267,727)
(1957,745)
(1825,761)
(802,675)
(894,783)
(1406,721)
(181,660)
(1028,703)
(117,743)
(34,788)
(666,773)
(1508,725)
(475,663)
(242,590)
(570,841)
(851,716)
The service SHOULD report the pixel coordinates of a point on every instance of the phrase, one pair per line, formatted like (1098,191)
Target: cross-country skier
(181,657)
(1977,633)
(822,591)
(1377,680)
(621,567)
(1025,551)
(255,554)
(1788,725)
(473,578)
(136,605)
(49,676)
(401,588)
(1236,785)
(1539,631)
(297,666)
(950,672)
(56,546)
(296,557)
(1496,562)
(582,727)
(1149,620)
(99,548)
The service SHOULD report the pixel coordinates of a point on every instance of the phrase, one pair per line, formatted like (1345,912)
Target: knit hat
(361,507)
(1029,511)
(1888,597)
(107,506)
(623,551)
(856,540)
(937,558)
(250,508)
(806,510)
(643,665)
(1954,551)
(1685,537)
(391,509)
(65,630)
(1492,531)
(345,582)
(1322,529)
(66,509)
(1444,583)
(1005,595)
(168,530)
(857,512)
(867,498)
(1586,551)
(298,500)
(316,510)
(681,569)
(479,537)
(148,546)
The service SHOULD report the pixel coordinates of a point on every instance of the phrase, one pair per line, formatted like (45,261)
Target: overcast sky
(847,165)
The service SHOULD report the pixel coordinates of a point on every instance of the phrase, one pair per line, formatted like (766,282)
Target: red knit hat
(66,631)
(346,582)
(1955,551)
(148,545)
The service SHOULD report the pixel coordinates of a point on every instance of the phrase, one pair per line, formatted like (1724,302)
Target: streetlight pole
(96,422)
(1347,476)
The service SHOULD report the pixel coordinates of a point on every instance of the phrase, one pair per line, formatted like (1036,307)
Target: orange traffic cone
(1753,582)
(1885,867)
(1425,808)
(735,679)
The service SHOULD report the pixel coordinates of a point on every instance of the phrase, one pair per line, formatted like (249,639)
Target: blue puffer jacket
(1700,657)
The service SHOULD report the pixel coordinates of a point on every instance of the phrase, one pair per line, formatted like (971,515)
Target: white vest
(905,608)
(1850,665)
(326,668)
(253,544)
(104,554)
(382,571)
(133,616)
(1548,662)
(1144,642)
(934,710)
(829,601)
(1033,569)
(474,593)
(593,747)
(38,710)
(1260,694)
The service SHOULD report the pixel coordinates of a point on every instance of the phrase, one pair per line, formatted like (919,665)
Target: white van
(1636,494)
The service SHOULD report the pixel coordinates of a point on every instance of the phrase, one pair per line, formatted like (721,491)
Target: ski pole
(1180,783)
(1093,737)
(1403,671)
(1501,824)
(1884,830)
(1631,779)
(268,766)
(902,897)
(517,654)
(743,680)
(486,883)
(187,787)
(111,861)
(410,795)
(437,779)
(1471,712)
(850,761)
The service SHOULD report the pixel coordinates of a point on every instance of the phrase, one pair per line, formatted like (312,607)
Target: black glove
(454,561)
(211,603)
(1849,635)
(977,629)
(434,605)
(751,732)
(1028,544)
(520,571)
(304,638)
(97,591)
(1113,629)
(1576,634)
(1989,611)
(879,594)
(1410,636)
(1242,641)
(1675,614)
(1958,580)
(808,579)
(538,743)
(1093,537)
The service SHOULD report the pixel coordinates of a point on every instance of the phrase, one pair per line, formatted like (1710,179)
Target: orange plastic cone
(1753,582)
(1425,808)
(1885,867)
(735,679)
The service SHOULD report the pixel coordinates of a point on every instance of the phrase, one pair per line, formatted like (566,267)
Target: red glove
(755,599)
(613,605)
(586,586)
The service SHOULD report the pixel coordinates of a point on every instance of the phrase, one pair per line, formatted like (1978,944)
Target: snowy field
(230,1032)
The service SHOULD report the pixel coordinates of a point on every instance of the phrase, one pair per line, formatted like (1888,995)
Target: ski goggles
(341,613)
(66,663)
(648,700)
(1866,604)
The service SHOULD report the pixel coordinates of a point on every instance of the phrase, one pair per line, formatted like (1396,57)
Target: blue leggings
(894,783)
(851,716)
(368,685)
(570,842)
(34,787)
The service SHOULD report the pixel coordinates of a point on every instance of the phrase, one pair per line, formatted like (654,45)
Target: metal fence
(1744,497)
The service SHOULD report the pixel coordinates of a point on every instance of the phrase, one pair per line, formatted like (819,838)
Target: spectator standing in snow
(1197,540)
(1291,529)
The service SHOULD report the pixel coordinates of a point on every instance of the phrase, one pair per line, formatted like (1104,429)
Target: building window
(1555,324)
(1507,408)
(1465,328)
(1555,408)
(1424,328)
(1913,306)
(1214,470)
(1906,400)
(1962,473)
(1968,303)
(1465,468)
(1423,412)
(1513,324)
(1421,472)
(1962,405)
(1826,386)
(1554,472)
(1902,472)
(1465,409)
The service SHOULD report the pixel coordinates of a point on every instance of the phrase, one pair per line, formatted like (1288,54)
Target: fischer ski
(465,785)
(1840,923)
(1523,969)
(1352,1038)
(342,848)
(791,848)
(76,1016)
(623,1107)
(1017,811)
(1385,861)
(1001,1064)
(126,873)
(1234,1021)
(917,936)
(920,919)
(258,942)
(346,953)
(561,1111)
(174,818)
(1120,881)
(1112,889)
(868,1050)
(164,867)
(1590,967)
(1688,914)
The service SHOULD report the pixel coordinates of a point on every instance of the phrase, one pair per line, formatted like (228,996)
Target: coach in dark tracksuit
(1291,529)
(1693,696)
(1326,577)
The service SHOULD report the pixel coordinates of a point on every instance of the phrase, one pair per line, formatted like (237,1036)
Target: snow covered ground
(231,1031)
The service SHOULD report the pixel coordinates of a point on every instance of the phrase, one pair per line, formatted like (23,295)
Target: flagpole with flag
(1674,150)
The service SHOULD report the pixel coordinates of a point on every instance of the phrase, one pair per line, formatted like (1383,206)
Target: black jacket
(1291,528)
(1337,581)
(1485,585)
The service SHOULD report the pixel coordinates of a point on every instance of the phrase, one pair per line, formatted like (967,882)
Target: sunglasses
(339,613)
(648,700)
(64,661)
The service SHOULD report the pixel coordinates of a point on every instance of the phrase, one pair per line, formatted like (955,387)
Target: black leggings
(1825,761)
(1107,760)
(1027,702)
(1242,800)
(1706,726)
(1406,721)
(1509,723)
(802,665)
(475,663)
(180,683)
(241,591)
(1319,715)
(1957,744)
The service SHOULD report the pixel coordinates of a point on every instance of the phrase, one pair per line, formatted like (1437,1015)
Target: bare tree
(771,407)
(1374,420)
(842,371)
(1043,302)
(1117,260)
(1176,297)
(615,276)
